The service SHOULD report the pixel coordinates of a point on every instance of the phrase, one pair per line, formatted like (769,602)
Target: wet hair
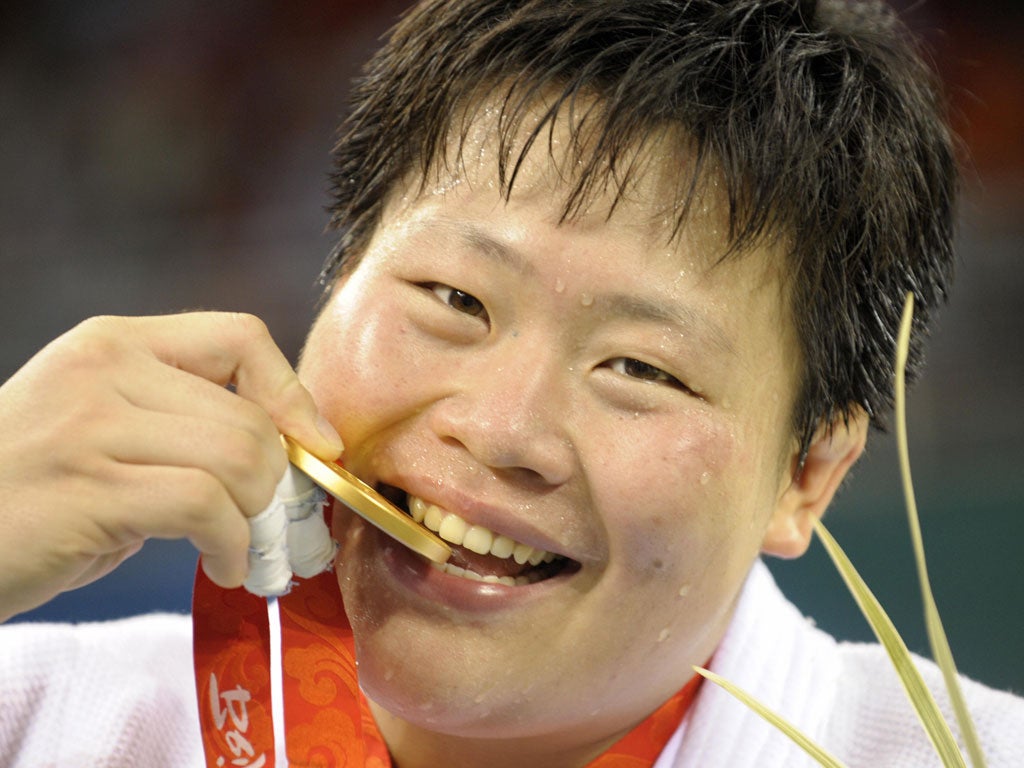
(824,126)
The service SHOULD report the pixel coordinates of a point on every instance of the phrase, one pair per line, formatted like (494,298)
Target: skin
(122,430)
(514,405)
(662,477)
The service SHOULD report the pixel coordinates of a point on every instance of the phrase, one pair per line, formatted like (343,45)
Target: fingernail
(329,433)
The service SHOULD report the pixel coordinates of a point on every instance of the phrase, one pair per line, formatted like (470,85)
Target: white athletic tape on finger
(294,486)
(289,536)
(269,571)
(311,549)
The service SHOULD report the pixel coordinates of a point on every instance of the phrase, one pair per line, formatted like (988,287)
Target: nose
(509,411)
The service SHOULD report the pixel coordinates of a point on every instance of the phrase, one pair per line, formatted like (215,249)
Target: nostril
(524,477)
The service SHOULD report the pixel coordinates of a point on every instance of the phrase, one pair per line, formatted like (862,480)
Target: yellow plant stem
(933,623)
(920,696)
(805,743)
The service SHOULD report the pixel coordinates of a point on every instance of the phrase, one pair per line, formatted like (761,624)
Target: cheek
(356,364)
(668,501)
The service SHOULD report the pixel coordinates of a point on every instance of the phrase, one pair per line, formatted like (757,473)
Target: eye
(459,300)
(638,369)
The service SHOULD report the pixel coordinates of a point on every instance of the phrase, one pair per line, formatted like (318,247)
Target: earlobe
(811,487)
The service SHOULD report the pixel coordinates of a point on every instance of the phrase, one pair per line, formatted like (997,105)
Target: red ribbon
(327,719)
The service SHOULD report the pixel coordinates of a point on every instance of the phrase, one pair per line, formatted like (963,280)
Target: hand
(123,429)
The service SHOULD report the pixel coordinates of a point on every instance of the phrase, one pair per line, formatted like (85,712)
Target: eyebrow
(620,304)
(492,247)
(641,308)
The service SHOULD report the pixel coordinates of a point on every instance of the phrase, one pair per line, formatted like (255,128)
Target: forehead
(632,204)
(650,190)
(649,185)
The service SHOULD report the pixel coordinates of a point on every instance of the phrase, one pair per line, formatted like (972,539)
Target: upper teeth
(475,538)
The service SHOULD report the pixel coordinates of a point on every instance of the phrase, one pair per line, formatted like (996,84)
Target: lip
(412,574)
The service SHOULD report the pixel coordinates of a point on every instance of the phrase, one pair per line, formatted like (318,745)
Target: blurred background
(159,156)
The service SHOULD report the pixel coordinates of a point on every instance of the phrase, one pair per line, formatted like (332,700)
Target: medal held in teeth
(290,536)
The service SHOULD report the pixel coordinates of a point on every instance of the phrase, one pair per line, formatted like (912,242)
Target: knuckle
(201,497)
(247,474)
(259,438)
(93,344)
(248,329)
(243,456)
(257,419)
(97,324)
(290,400)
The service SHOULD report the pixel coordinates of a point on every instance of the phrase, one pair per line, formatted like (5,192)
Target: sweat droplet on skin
(586,299)
(664,635)
(684,590)
(705,478)
(559,285)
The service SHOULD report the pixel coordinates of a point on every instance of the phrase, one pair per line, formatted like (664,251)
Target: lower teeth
(509,581)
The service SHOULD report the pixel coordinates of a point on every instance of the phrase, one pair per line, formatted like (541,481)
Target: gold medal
(367,503)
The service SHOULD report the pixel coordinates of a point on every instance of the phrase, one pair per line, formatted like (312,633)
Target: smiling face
(591,392)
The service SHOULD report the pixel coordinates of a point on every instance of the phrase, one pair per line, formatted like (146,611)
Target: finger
(189,503)
(204,410)
(101,566)
(234,348)
(238,459)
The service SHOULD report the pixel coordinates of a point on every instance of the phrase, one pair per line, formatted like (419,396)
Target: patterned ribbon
(327,720)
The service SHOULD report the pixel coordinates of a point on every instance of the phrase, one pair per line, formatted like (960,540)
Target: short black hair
(822,120)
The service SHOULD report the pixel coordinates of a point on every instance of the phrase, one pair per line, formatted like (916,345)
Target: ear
(808,490)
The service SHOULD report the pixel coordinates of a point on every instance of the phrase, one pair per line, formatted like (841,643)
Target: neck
(414,747)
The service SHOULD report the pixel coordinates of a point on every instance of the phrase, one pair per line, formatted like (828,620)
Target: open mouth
(479,554)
